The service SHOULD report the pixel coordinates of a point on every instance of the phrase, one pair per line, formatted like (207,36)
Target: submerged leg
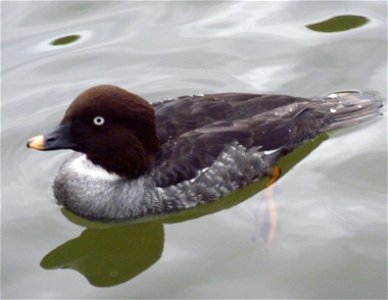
(267,215)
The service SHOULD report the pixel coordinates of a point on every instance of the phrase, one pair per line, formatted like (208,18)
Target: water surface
(331,238)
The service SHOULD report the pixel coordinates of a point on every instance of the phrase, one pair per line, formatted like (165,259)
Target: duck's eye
(98,121)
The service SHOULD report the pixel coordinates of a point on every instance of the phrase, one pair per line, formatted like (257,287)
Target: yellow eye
(98,121)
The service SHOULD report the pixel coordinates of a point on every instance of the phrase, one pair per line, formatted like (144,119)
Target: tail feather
(351,107)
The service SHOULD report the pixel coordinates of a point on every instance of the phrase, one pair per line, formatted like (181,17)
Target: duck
(132,158)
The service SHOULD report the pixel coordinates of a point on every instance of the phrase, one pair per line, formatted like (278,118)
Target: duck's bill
(59,138)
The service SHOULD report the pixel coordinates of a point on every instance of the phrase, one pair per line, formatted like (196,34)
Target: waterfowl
(134,158)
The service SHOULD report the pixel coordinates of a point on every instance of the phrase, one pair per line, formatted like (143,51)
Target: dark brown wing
(262,126)
(186,113)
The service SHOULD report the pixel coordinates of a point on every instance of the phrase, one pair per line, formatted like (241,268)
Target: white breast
(85,168)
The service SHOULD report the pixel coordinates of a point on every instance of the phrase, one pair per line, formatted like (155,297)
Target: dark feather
(193,130)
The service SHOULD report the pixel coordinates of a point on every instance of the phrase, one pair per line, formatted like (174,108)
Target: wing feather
(197,132)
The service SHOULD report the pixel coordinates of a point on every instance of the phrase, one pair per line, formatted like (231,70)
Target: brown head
(114,128)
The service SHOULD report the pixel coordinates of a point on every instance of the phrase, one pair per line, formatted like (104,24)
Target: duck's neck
(131,158)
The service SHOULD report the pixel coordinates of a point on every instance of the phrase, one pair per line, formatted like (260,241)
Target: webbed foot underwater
(136,158)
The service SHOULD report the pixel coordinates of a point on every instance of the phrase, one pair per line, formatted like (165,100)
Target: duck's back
(194,130)
(186,113)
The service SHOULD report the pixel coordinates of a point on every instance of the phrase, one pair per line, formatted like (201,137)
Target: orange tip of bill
(37,142)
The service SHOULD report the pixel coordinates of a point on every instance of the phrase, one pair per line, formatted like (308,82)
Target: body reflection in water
(110,254)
